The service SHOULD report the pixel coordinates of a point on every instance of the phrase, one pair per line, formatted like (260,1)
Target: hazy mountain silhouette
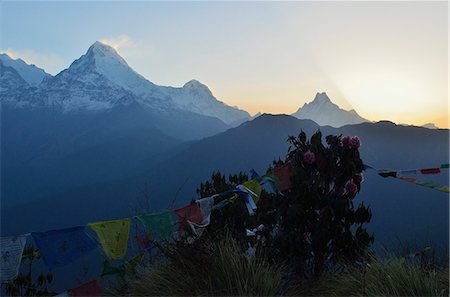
(400,209)
(324,112)
(95,121)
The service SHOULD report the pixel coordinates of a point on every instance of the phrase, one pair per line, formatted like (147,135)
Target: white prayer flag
(11,249)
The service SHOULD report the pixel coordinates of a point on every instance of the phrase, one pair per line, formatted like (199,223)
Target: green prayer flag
(159,225)
(221,204)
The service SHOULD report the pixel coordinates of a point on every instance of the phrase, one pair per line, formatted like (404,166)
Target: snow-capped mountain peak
(322,98)
(104,54)
(101,79)
(101,59)
(30,73)
(324,112)
(197,88)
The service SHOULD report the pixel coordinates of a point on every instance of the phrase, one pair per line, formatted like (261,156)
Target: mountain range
(100,80)
(94,140)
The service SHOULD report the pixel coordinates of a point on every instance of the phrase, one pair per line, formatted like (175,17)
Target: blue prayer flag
(61,247)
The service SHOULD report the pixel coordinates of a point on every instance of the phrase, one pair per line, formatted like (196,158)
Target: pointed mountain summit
(197,97)
(324,112)
(101,66)
(30,73)
(102,79)
(197,89)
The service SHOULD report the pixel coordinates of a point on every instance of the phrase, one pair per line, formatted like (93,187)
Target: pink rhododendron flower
(355,142)
(309,157)
(351,187)
(346,141)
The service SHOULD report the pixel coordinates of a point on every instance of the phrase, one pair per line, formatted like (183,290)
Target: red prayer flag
(192,213)
(430,171)
(91,288)
(282,173)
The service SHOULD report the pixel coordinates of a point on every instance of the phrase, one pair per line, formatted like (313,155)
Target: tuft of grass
(220,269)
(390,277)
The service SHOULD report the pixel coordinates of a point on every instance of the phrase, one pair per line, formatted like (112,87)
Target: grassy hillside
(225,269)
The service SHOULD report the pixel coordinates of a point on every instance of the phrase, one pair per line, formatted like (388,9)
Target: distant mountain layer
(325,113)
(98,120)
(401,210)
(101,79)
(98,138)
(430,126)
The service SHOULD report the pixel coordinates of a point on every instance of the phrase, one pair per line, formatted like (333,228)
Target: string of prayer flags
(430,185)
(191,212)
(221,204)
(394,173)
(90,289)
(61,247)
(254,188)
(365,167)
(266,178)
(225,202)
(11,255)
(387,173)
(159,225)
(282,174)
(113,236)
(430,171)
(248,199)
(206,205)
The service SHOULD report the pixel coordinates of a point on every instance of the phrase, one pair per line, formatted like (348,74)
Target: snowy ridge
(30,73)
(324,112)
(101,79)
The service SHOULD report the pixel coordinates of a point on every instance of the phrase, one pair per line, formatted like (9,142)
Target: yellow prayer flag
(113,236)
(255,187)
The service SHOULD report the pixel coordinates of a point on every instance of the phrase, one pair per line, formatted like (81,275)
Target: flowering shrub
(312,222)
(318,223)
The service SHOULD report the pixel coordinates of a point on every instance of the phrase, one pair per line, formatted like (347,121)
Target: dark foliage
(314,225)
(319,224)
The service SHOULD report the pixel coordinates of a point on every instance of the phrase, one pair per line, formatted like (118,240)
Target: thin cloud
(122,41)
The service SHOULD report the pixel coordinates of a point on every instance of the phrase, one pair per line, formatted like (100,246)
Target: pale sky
(387,60)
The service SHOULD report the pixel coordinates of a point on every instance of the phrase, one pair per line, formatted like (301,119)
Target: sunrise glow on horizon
(386,60)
